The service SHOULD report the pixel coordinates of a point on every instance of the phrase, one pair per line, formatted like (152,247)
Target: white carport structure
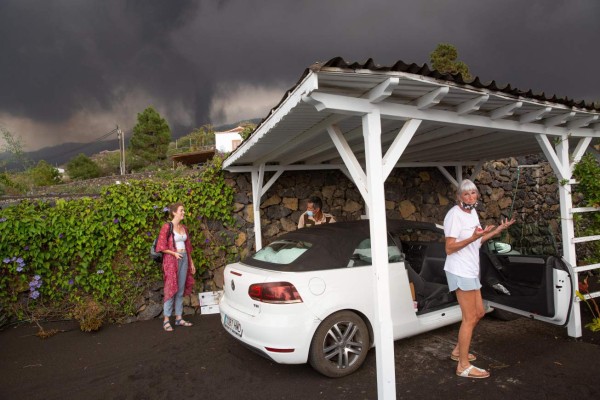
(366,120)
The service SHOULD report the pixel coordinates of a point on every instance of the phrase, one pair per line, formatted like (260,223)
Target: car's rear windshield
(282,251)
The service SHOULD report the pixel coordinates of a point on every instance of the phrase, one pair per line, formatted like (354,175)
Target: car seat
(429,295)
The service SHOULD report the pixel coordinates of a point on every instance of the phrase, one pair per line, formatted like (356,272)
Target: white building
(226,142)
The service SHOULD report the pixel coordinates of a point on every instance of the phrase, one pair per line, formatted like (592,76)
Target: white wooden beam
(448,175)
(256,178)
(551,156)
(356,106)
(431,99)
(285,146)
(471,105)
(580,123)
(383,327)
(558,119)
(399,145)
(476,170)
(270,183)
(383,90)
(579,151)
(354,168)
(534,115)
(505,111)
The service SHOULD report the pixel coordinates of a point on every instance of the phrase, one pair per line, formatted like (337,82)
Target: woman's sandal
(181,322)
(167,326)
(466,373)
(471,357)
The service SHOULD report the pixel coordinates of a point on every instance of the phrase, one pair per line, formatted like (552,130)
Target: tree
(248,129)
(44,174)
(82,167)
(14,147)
(151,137)
(444,60)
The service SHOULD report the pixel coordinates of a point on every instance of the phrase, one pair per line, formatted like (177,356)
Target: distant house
(228,141)
(225,142)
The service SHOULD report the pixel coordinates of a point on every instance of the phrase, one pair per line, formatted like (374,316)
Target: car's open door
(535,286)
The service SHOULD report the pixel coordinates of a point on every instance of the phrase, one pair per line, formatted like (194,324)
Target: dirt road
(527,359)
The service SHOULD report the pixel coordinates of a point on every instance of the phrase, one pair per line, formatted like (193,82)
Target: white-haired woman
(464,236)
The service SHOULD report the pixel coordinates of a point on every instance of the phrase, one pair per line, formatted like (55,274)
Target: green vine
(56,256)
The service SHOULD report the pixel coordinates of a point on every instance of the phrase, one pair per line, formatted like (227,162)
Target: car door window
(362,254)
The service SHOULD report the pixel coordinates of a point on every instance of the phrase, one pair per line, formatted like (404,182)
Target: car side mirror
(499,247)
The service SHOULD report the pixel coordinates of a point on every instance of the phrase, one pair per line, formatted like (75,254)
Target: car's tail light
(274,292)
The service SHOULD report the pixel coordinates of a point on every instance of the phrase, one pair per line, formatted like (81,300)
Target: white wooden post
(257,176)
(382,329)
(568,230)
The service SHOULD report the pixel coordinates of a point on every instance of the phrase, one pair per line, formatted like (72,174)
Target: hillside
(62,153)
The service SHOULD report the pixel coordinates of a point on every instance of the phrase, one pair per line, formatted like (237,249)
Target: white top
(460,225)
(179,240)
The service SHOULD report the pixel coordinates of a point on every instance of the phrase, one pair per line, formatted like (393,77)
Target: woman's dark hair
(173,207)
(316,201)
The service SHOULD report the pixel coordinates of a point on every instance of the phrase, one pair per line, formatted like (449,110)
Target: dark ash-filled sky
(73,69)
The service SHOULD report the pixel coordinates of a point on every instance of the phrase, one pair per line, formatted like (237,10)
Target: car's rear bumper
(283,337)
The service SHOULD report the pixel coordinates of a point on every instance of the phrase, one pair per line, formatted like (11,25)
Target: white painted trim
(584,268)
(448,176)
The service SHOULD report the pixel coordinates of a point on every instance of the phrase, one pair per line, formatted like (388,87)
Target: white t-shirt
(461,225)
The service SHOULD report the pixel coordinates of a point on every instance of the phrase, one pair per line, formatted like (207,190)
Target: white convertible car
(308,296)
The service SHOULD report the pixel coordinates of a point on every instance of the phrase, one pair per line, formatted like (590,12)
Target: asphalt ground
(527,359)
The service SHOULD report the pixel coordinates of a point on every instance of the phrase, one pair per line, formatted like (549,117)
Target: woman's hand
(504,224)
(193,268)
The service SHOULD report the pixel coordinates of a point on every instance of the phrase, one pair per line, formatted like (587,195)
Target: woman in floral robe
(178,266)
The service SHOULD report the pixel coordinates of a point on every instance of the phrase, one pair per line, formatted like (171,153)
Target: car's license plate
(232,325)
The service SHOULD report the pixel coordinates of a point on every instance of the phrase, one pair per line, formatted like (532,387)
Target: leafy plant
(82,167)
(583,287)
(98,248)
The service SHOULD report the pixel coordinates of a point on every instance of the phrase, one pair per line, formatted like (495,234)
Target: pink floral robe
(170,263)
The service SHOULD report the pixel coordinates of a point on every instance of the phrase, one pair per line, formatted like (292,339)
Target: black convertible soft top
(332,244)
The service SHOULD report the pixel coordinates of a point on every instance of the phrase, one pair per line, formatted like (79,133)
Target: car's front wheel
(340,345)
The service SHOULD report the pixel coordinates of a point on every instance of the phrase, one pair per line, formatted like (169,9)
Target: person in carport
(464,236)
(314,214)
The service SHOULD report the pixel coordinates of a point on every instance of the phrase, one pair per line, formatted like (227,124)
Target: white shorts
(462,283)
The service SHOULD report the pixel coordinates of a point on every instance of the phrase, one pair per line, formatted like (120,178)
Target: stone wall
(419,194)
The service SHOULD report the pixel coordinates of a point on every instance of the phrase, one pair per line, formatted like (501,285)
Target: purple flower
(19,268)
(199,218)
(34,295)
(60,236)
(148,233)
(2,219)
(26,248)
(6,260)
(100,271)
(20,260)
(71,281)
(155,207)
(165,209)
(116,221)
(37,277)
(13,259)
(206,241)
(189,191)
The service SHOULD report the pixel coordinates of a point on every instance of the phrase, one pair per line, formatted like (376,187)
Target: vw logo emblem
(232,285)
